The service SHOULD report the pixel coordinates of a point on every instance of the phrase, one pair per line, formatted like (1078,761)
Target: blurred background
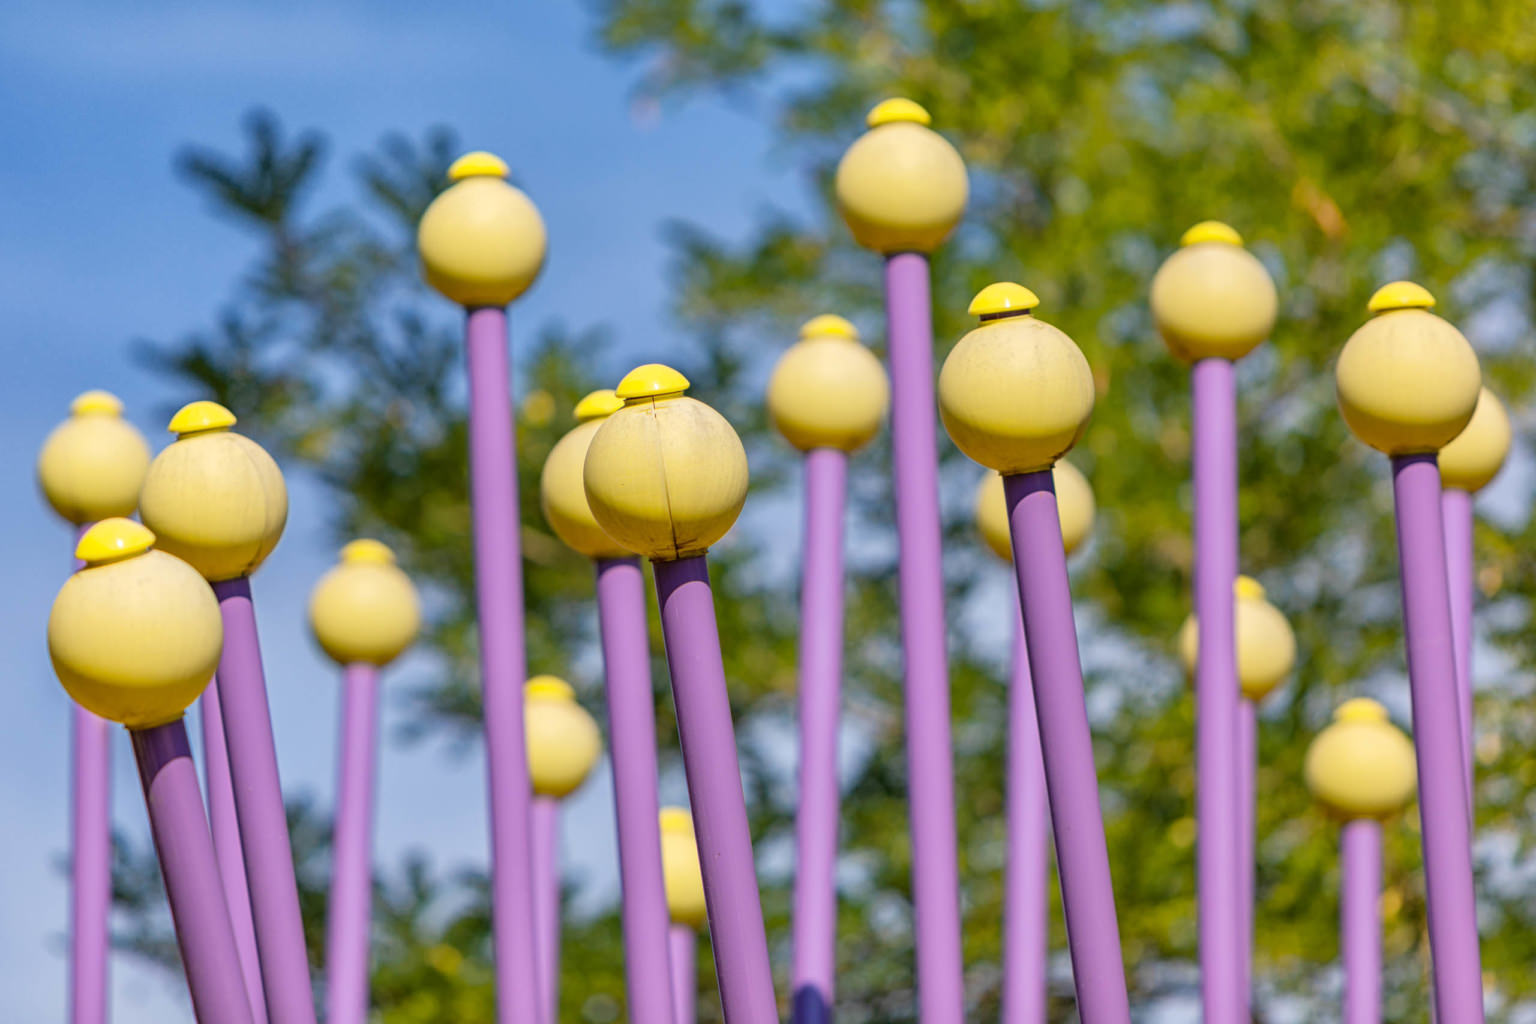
(217,200)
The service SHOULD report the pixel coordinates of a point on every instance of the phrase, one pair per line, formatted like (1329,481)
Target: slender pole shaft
(684,948)
(820,699)
(708,742)
(499,608)
(1247,800)
(632,737)
(90,844)
(187,863)
(259,807)
(349,921)
(1456,509)
(546,902)
(1443,809)
(1360,924)
(1216,690)
(226,845)
(1026,930)
(930,759)
(1066,746)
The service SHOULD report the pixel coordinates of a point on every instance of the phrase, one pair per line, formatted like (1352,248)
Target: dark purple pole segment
(1026,929)
(1066,747)
(349,920)
(1247,803)
(90,892)
(708,741)
(499,611)
(226,845)
(1443,811)
(930,760)
(820,698)
(684,948)
(632,737)
(203,930)
(1360,924)
(259,807)
(1456,509)
(1216,691)
(546,893)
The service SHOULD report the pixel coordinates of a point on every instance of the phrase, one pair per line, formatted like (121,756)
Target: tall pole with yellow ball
(1026,904)
(1214,303)
(1361,769)
(90,468)
(1408,383)
(666,476)
(828,396)
(217,501)
(685,905)
(902,188)
(1015,394)
(134,637)
(364,613)
(631,709)
(1467,465)
(563,745)
(482,244)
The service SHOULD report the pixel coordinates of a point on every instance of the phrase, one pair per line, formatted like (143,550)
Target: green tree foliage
(1350,143)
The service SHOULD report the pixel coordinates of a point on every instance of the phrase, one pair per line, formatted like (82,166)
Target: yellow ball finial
(598,405)
(1213,298)
(1016,392)
(563,495)
(563,740)
(482,241)
(1471,461)
(828,391)
(136,635)
(901,187)
(683,880)
(214,498)
(1002,299)
(666,475)
(1074,505)
(1266,644)
(92,465)
(1361,766)
(365,610)
(1408,382)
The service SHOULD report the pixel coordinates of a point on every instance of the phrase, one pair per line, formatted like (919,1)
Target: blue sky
(101,244)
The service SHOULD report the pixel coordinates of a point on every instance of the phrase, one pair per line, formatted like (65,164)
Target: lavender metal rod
(545,823)
(203,930)
(90,845)
(1026,931)
(1066,744)
(683,948)
(1360,921)
(1456,510)
(1247,797)
(350,919)
(1443,808)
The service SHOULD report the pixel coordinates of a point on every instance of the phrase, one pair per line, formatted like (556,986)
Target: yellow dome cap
(96,403)
(1400,295)
(597,405)
(366,551)
(1266,644)
(827,390)
(1212,298)
(1003,299)
(1211,231)
(1074,506)
(1248,589)
(112,540)
(563,740)
(828,325)
(653,380)
(482,241)
(92,465)
(1475,456)
(895,110)
(365,610)
(680,868)
(478,164)
(1361,766)
(901,187)
(197,417)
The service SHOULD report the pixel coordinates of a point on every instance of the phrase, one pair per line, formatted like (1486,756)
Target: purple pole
(1456,509)
(259,808)
(350,918)
(1026,933)
(1066,747)
(632,736)
(1443,810)
(1247,799)
(546,892)
(684,945)
(226,846)
(90,844)
(708,741)
(930,761)
(821,669)
(1360,913)
(499,610)
(203,930)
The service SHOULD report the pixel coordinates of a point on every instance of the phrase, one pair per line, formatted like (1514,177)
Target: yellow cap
(1471,461)
(1360,709)
(563,740)
(599,404)
(1361,765)
(828,325)
(365,610)
(1211,231)
(1248,589)
(478,164)
(112,540)
(548,688)
(1400,295)
(96,403)
(92,465)
(676,821)
(197,417)
(1266,644)
(366,551)
(681,876)
(1003,299)
(897,109)
(653,380)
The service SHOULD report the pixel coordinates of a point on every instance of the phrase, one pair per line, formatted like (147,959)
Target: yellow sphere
(901,186)
(213,497)
(1014,393)
(828,391)
(136,635)
(1074,506)
(680,868)
(1361,766)
(1408,381)
(561,492)
(666,476)
(1477,454)
(1266,646)
(1213,298)
(563,740)
(364,610)
(92,465)
(482,240)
